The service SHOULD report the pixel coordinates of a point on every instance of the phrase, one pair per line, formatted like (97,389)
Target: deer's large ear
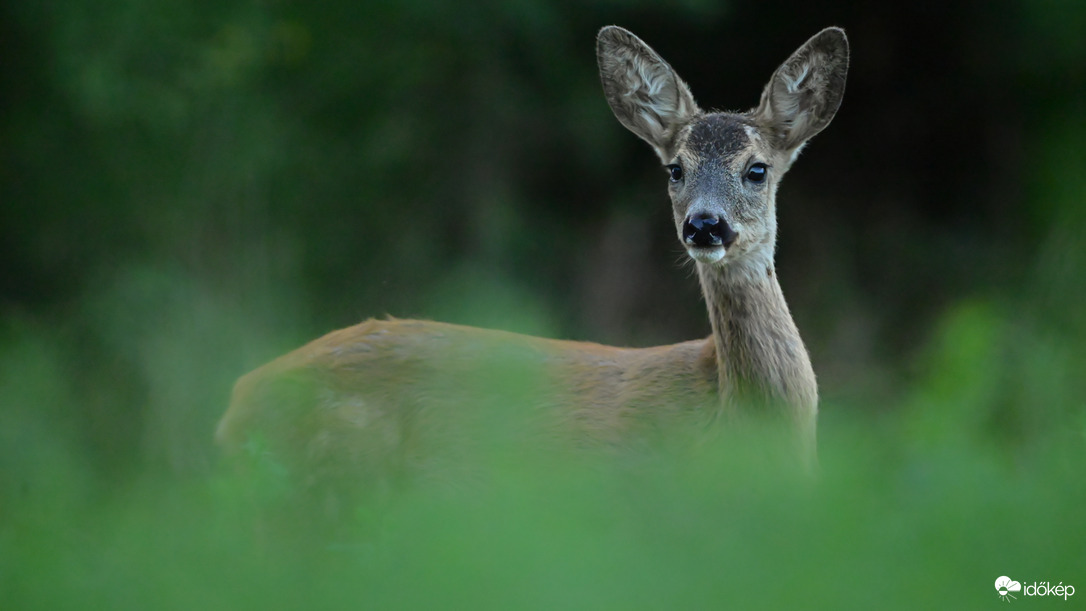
(643,91)
(806,91)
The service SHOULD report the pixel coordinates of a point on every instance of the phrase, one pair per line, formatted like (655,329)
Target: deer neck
(760,355)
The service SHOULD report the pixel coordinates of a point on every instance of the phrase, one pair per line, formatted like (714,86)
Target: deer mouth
(706,254)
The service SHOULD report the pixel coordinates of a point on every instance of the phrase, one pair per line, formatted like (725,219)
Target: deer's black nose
(708,230)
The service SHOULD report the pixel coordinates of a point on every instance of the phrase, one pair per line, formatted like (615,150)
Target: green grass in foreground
(887,524)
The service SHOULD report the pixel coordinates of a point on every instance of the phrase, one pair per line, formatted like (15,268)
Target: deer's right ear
(805,92)
(643,91)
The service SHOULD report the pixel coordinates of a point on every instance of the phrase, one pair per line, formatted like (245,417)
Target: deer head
(724,168)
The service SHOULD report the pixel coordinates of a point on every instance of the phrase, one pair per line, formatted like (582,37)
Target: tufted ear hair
(805,91)
(644,92)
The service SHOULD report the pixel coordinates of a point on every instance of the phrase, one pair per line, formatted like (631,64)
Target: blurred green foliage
(188,189)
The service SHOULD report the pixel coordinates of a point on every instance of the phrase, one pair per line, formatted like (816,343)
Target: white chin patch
(706,255)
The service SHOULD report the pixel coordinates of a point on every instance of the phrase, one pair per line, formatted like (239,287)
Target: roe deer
(362,396)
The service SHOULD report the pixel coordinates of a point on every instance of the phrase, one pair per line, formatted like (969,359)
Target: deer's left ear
(805,91)
(645,94)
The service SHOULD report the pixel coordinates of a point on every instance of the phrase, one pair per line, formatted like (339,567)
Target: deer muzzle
(704,230)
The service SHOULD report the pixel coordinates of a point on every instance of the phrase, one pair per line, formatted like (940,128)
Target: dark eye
(757,172)
(675,171)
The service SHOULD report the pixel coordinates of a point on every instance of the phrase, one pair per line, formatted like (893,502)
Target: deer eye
(757,172)
(675,171)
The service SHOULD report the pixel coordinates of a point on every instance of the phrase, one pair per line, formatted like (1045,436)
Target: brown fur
(376,394)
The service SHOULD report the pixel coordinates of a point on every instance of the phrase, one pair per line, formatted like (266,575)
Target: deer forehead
(721,139)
